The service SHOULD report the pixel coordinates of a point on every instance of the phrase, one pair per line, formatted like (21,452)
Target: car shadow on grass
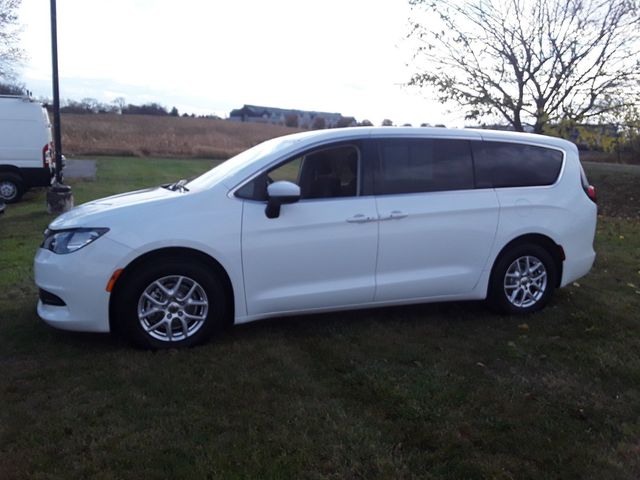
(425,315)
(469,316)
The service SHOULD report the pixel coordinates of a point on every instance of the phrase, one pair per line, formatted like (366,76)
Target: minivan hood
(98,210)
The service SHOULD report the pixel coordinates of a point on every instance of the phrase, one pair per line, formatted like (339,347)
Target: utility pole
(59,196)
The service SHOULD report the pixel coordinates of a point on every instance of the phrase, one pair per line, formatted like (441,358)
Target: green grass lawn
(430,391)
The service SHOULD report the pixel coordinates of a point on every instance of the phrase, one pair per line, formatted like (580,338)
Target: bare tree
(119,103)
(528,61)
(10,53)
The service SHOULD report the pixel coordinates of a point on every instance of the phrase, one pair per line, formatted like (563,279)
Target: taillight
(46,156)
(590,190)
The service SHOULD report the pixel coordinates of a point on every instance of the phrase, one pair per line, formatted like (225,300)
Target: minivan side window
(322,173)
(502,164)
(423,165)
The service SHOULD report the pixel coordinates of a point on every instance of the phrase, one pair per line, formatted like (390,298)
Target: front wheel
(172,304)
(523,280)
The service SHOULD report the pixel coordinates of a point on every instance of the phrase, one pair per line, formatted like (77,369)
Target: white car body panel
(439,248)
(310,256)
(24,131)
(81,284)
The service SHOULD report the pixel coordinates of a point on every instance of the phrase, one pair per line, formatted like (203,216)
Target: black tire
(11,187)
(521,292)
(130,301)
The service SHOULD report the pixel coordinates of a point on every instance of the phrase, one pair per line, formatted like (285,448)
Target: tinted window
(501,164)
(324,173)
(423,165)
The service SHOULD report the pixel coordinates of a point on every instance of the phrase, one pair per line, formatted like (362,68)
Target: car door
(320,252)
(436,229)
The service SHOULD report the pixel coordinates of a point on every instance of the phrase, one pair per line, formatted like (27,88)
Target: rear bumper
(576,268)
(37,177)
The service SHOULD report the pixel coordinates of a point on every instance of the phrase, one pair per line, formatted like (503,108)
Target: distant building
(289,117)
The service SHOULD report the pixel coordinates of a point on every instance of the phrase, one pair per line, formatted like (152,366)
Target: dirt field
(145,135)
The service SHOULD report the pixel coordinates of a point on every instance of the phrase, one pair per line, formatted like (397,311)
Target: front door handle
(359,218)
(395,215)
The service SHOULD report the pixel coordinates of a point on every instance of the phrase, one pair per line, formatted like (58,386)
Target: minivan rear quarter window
(423,165)
(502,164)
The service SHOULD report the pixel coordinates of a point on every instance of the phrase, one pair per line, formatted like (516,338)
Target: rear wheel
(171,304)
(523,279)
(11,187)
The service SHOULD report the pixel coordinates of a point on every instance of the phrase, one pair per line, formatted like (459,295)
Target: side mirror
(280,193)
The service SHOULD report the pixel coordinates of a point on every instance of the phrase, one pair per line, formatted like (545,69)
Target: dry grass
(143,135)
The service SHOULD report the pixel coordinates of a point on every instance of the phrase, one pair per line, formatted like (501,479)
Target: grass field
(430,391)
(145,135)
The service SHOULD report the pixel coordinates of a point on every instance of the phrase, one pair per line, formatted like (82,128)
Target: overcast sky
(346,56)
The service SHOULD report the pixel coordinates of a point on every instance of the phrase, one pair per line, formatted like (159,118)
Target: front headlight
(67,241)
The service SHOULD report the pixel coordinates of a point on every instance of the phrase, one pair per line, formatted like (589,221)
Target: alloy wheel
(525,281)
(173,308)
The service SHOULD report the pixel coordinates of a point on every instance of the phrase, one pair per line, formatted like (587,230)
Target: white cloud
(211,56)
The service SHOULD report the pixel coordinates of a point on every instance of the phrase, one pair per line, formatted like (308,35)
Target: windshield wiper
(179,185)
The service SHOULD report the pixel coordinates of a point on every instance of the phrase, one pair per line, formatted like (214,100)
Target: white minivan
(323,221)
(25,147)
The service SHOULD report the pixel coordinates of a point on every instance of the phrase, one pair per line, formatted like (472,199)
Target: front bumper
(79,279)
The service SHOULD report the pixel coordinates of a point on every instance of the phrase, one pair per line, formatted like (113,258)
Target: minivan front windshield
(235,164)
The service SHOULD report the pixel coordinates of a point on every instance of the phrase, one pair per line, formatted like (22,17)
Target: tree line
(119,106)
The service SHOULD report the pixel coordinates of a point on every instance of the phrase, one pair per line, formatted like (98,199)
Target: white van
(322,221)
(25,147)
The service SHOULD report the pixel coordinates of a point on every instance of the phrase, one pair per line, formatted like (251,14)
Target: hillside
(144,135)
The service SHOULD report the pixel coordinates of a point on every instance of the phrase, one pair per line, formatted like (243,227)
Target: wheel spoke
(155,326)
(176,287)
(189,293)
(185,327)
(166,291)
(169,330)
(527,295)
(514,294)
(150,312)
(153,300)
(196,303)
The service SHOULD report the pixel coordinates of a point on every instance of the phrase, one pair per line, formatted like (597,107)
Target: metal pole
(59,196)
(57,138)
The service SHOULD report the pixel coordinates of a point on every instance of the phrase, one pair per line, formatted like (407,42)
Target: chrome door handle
(395,215)
(359,218)
(398,214)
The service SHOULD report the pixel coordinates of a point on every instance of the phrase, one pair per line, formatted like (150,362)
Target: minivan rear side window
(423,165)
(503,164)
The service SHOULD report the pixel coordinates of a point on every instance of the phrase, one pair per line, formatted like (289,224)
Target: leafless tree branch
(528,61)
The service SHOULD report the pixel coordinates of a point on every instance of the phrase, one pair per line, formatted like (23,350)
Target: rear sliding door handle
(395,215)
(360,218)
